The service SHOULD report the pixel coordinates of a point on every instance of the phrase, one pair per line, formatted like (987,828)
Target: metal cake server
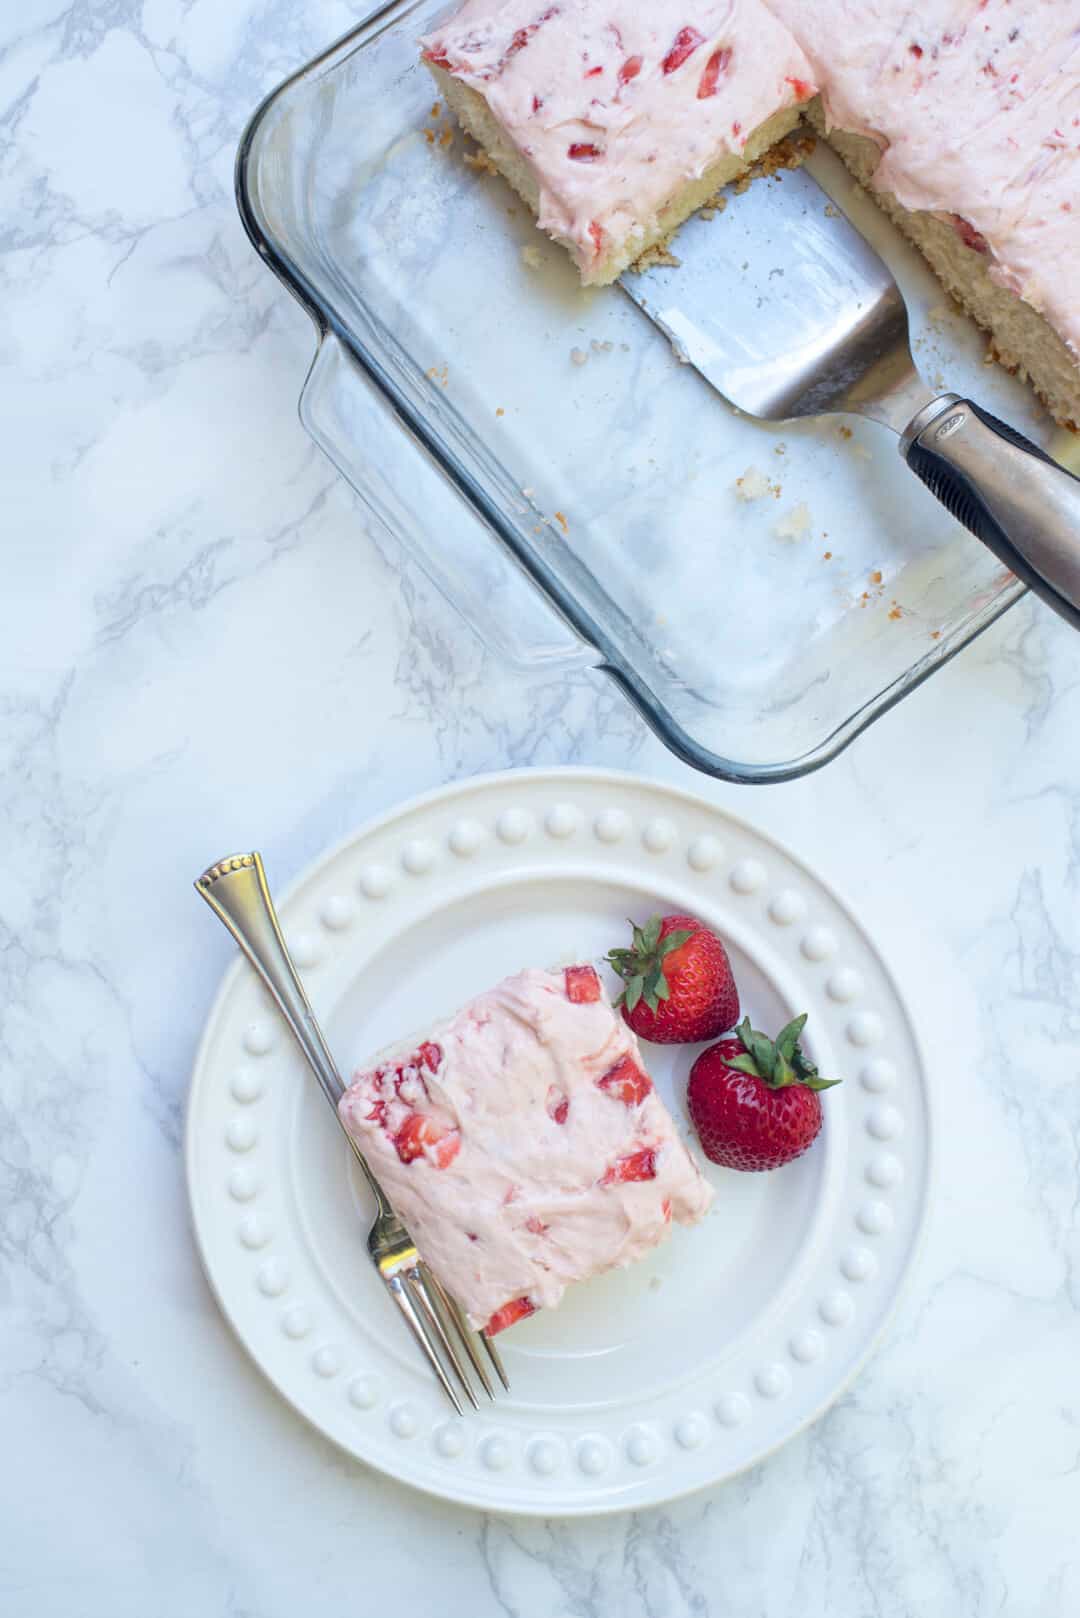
(788,311)
(237,892)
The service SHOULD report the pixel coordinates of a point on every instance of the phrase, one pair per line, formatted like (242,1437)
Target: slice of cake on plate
(523,1144)
(615,121)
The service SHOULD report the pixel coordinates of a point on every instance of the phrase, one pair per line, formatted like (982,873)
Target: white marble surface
(199,646)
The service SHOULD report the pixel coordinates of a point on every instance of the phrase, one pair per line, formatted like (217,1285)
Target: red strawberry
(630,69)
(509,1315)
(582,984)
(626,1082)
(638,1166)
(679,986)
(754,1101)
(684,45)
(422,1137)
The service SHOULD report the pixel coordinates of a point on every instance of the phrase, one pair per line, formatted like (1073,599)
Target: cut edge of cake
(1022,339)
(476,118)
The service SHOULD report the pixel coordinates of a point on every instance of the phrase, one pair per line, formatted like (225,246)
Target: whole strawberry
(679,986)
(754,1101)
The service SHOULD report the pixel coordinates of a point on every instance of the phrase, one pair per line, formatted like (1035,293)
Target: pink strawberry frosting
(523,1144)
(615,104)
(975,105)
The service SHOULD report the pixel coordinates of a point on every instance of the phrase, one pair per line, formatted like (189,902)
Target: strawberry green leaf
(673,941)
(745,1064)
(650,934)
(787,1040)
(783,1073)
(658,983)
(632,992)
(820,1084)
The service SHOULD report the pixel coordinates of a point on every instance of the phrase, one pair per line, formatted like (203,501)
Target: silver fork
(236,890)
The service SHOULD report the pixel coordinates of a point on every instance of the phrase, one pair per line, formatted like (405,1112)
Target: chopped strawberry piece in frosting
(584,151)
(638,1166)
(683,46)
(582,984)
(626,1082)
(630,69)
(717,64)
(557,1105)
(969,235)
(509,1315)
(422,1137)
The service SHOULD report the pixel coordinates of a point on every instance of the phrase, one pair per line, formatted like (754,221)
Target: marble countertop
(201,646)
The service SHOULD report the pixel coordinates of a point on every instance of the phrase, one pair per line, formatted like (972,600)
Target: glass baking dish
(469,389)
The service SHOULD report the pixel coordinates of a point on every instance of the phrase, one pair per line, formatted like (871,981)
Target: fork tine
(493,1356)
(415,1321)
(419,1277)
(465,1332)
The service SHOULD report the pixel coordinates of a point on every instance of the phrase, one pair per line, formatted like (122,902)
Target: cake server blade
(786,309)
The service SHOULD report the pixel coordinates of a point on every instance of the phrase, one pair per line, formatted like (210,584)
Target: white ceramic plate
(646,1383)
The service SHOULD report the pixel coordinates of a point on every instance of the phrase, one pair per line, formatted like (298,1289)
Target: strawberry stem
(641,967)
(781,1061)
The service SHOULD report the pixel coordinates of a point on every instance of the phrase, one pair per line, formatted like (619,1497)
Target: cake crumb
(780,449)
(599,346)
(795,524)
(561,520)
(429,136)
(578,356)
(896,611)
(447,136)
(480,161)
(436,108)
(532,256)
(827,556)
(935,634)
(658,254)
(831,212)
(875,577)
(440,374)
(845,432)
(753,485)
(500,411)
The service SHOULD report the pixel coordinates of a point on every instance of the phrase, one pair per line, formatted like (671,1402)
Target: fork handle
(237,892)
(1007,491)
